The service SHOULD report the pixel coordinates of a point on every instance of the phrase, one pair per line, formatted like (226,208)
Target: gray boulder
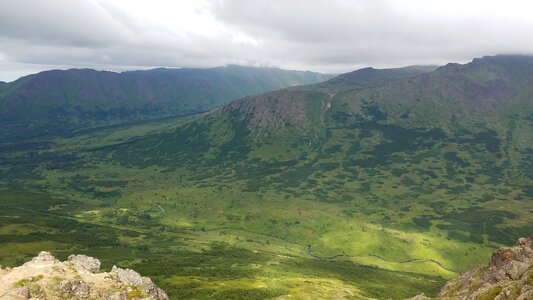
(132,278)
(85,264)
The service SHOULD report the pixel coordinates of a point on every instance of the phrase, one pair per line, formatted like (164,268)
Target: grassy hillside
(60,102)
(368,188)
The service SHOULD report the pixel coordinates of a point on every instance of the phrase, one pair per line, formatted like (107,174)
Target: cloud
(322,35)
(341,32)
(59,22)
(115,35)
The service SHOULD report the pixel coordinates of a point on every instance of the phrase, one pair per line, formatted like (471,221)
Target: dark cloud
(322,35)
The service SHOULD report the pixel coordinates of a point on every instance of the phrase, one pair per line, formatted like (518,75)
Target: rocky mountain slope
(45,277)
(60,101)
(509,275)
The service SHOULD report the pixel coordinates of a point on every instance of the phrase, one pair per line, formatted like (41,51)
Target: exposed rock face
(45,277)
(509,275)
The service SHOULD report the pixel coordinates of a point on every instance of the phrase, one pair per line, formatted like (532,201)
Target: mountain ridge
(370,76)
(58,100)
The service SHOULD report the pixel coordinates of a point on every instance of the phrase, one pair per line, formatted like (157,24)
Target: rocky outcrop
(509,275)
(85,264)
(45,277)
(132,278)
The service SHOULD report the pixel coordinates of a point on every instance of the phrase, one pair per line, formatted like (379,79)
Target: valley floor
(202,234)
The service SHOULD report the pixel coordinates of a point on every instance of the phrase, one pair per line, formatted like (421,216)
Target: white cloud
(322,35)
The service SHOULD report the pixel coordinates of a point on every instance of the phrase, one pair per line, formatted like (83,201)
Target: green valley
(374,184)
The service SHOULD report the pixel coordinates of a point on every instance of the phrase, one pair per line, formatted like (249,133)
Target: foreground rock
(509,275)
(45,277)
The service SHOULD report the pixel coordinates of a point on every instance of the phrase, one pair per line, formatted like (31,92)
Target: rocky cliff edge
(509,275)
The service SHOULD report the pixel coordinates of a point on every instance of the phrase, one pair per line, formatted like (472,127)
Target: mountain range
(379,183)
(63,100)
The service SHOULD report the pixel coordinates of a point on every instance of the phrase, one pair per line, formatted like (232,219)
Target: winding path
(415,260)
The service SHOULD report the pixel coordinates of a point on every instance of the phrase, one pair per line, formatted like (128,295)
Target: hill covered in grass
(62,101)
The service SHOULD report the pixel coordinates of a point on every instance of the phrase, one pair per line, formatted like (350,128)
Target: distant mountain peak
(370,76)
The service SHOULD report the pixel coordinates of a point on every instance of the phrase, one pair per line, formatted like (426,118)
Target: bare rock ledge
(45,277)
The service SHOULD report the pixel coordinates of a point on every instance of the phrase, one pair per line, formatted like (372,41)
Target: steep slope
(60,101)
(453,96)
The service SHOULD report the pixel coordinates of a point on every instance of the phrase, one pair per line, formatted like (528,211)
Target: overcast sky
(319,35)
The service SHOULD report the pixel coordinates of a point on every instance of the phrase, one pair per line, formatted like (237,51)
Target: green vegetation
(491,294)
(31,283)
(134,292)
(330,189)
